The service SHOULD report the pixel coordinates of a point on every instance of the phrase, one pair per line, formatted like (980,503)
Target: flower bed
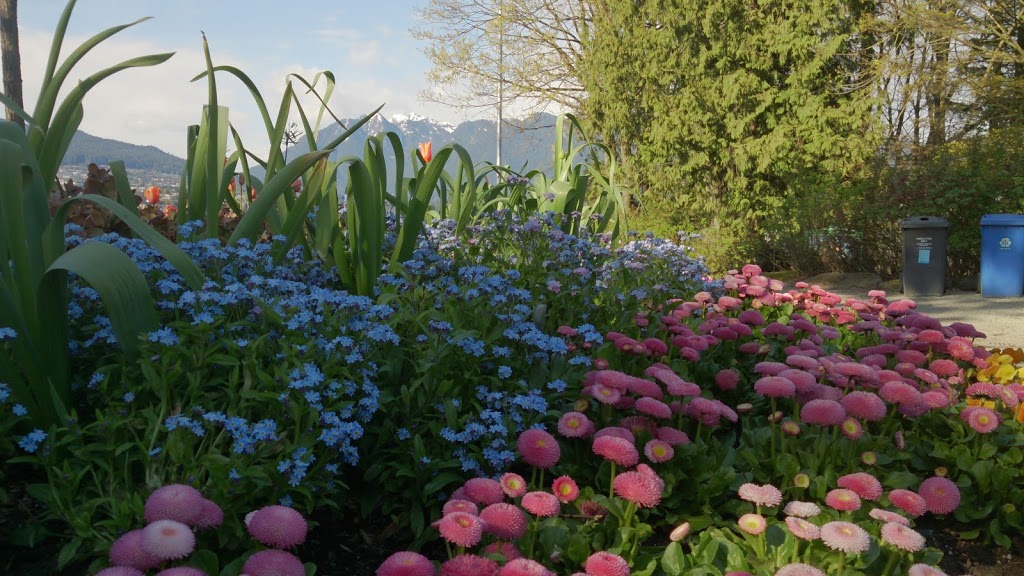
(660,433)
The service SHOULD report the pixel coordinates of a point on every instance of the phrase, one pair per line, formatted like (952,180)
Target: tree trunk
(11,56)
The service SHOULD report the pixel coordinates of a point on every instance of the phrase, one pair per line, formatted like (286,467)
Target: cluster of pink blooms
(480,509)
(174,511)
(936,494)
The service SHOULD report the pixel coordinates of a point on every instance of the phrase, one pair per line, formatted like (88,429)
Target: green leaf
(673,561)
(251,224)
(68,552)
(121,286)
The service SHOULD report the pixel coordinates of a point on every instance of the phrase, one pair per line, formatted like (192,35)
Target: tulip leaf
(121,286)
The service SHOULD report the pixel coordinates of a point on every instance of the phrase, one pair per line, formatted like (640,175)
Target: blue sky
(366,44)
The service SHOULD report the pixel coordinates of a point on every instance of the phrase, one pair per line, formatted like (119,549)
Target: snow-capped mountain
(526,142)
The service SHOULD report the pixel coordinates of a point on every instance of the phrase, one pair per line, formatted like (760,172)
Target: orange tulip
(425,151)
(252,193)
(231,186)
(170,211)
(151,194)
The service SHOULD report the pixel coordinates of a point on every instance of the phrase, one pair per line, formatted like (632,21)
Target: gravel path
(1001,319)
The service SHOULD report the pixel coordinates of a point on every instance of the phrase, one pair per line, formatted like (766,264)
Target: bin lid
(1002,220)
(926,222)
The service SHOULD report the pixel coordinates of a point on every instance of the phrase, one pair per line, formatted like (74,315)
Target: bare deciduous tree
(530,47)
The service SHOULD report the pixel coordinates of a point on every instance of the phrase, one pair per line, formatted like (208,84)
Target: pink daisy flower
(802,509)
(575,425)
(910,502)
(540,503)
(458,505)
(753,524)
(504,521)
(639,488)
(281,563)
(887,516)
(769,368)
(167,539)
(652,407)
(924,570)
(469,565)
(791,427)
(538,448)
(211,515)
(616,449)
(865,485)
(775,387)
(866,406)
(935,398)
(960,348)
(278,526)
(181,571)
(613,379)
(658,451)
(617,431)
(931,336)
(120,571)
(851,428)
(176,502)
(680,532)
(823,412)
(902,537)
(513,484)
(941,495)
(944,367)
(404,564)
(645,469)
(899,393)
(565,489)
(637,425)
(524,567)
(605,394)
(461,529)
(798,569)
(803,381)
(727,379)
(763,495)
(505,549)
(843,500)
(606,564)
(845,537)
(915,357)
(802,529)
(672,436)
(127,551)
(645,388)
(981,419)
(484,491)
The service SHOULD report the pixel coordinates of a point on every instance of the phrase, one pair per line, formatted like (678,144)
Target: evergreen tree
(730,107)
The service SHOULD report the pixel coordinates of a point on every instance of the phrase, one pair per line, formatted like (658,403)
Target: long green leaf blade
(121,286)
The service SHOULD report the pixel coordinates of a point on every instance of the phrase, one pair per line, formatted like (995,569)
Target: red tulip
(297,185)
(425,151)
(151,194)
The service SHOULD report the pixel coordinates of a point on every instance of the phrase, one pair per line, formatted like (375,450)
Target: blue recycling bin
(1002,255)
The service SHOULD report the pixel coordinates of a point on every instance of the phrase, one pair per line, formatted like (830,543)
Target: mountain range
(525,142)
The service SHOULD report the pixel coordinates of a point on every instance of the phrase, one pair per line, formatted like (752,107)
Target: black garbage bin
(1002,255)
(924,255)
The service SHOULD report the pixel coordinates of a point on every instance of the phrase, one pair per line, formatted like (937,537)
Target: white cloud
(151,106)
